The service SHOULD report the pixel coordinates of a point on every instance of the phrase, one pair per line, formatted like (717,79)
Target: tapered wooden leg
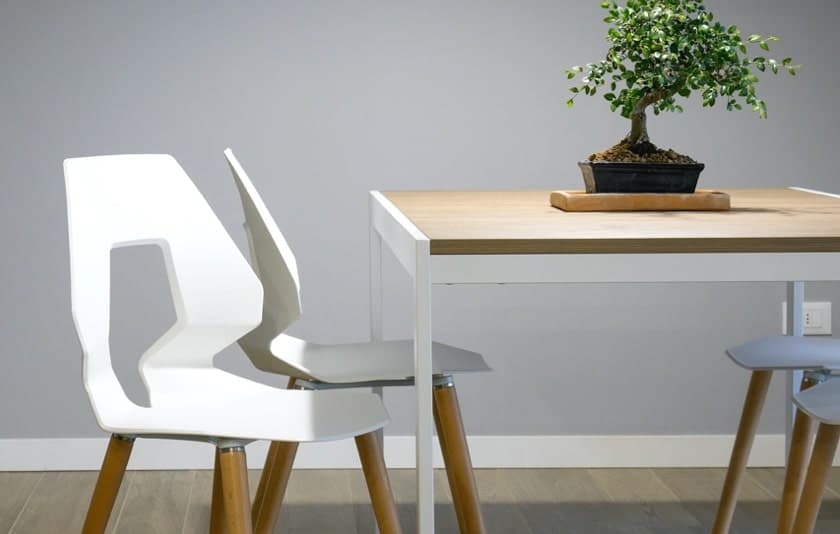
(108,484)
(235,490)
(797,465)
(273,482)
(378,484)
(217,505)
(824,449)
(756,393)
(456,456)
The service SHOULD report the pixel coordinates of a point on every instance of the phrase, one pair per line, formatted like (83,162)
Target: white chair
(821,403)
(762,357)
(367,364)
(117,201)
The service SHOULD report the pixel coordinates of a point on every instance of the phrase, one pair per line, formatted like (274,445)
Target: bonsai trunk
(638,137)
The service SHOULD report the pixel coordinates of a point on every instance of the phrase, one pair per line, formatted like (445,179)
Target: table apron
(606,268)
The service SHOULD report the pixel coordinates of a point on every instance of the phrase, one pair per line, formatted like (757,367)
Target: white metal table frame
(411,247)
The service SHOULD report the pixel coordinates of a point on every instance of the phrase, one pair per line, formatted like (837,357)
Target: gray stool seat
(787,352)
(822,402)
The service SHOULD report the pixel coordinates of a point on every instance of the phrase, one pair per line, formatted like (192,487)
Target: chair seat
(213,403)
(788,352)
(369,361)
(822,402)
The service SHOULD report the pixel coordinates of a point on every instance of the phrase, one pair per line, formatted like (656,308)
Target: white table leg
(423,389)
(794,327)
(376,330)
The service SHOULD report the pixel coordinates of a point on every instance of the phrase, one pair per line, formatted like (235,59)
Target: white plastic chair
(762,357)
(367,364)
(117,201)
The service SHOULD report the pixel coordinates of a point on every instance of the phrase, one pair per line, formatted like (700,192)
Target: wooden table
(482,237)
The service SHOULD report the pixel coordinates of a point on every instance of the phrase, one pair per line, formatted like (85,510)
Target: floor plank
(699,492)
(514,501)
(60,501)
(641,498)
(15,491)
(156,502)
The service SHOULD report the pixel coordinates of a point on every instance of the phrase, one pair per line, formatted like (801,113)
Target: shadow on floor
(554,518)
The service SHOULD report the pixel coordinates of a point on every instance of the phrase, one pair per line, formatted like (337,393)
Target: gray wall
(324,100)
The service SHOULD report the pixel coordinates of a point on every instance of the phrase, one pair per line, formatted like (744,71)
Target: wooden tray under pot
(700,200)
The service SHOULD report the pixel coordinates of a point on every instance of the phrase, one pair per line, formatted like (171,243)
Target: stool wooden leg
(756,393)
(217,505)
(235,490)
(797,465)
(456,457)
(108,484)
(272,488)
(809,506)
(378,484)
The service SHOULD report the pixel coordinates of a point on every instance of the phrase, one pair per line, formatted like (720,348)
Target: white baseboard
(68,454)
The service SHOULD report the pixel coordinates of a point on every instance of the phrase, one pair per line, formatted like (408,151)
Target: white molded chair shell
(270,253)
(273,351)
(116,201)
(822,402)
(788,352)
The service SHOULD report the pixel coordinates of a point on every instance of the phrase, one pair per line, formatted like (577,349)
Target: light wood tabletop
(523,222)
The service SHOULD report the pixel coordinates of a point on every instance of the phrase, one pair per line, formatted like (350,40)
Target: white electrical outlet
(816,318)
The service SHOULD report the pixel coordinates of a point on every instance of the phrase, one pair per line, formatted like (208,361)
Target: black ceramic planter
(610,177)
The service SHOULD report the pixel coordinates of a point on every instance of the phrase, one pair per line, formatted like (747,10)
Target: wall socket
(817,318)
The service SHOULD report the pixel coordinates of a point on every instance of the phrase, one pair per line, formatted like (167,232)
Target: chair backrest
(274,263)
(117,201)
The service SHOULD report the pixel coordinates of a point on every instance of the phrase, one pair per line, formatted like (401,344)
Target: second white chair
(366,364)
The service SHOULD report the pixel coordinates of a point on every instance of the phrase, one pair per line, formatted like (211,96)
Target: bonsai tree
(664,49)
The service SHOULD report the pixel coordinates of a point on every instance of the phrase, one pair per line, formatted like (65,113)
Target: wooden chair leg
(809,506)
(379,487)
(217,505)
(272,487)
(273,481)
(108,484)
(756,393)
(456,456)
(797,465)
(235,490)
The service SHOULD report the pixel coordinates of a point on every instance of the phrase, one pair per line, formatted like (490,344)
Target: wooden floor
(620,501)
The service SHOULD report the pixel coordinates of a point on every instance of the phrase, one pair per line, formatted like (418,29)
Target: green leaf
(674,47)
(570,103)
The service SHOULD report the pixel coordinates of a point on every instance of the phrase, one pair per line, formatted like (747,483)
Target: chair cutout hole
(142,310)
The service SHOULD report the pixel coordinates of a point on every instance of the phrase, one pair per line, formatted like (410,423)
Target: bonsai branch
(638,137)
